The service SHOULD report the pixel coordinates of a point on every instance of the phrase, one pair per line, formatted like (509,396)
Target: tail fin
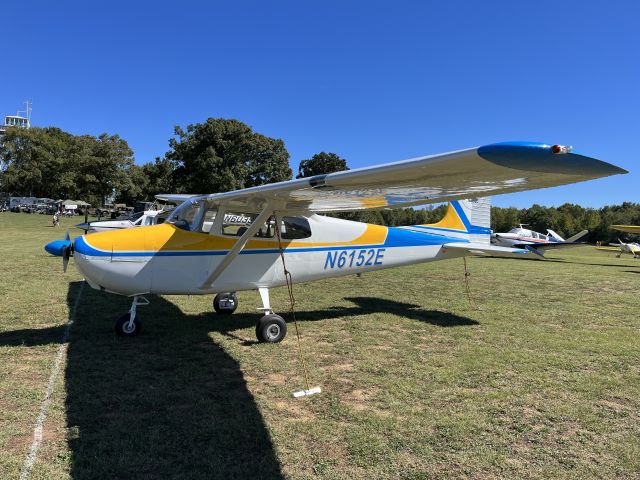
(468,219)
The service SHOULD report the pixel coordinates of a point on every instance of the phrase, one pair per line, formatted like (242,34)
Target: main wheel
(271,329)
(123,329)
(225,303)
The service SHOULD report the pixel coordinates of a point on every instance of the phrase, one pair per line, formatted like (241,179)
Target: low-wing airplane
(633,248)
(521,237)
(198,251)
(138,219)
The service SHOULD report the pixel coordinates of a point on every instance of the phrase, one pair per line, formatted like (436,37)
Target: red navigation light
(561,149)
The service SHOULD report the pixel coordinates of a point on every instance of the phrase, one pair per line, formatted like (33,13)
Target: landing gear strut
(129,325)
(271,328)
(225,303)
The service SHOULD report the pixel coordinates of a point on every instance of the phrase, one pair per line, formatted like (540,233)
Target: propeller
(67,252)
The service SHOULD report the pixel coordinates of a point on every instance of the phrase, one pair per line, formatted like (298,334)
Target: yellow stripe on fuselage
(167,237)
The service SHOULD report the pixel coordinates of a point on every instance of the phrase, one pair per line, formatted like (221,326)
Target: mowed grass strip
(542,382)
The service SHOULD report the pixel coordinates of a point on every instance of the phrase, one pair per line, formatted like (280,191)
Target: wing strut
(266,212)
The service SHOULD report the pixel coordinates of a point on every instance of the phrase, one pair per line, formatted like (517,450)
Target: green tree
(321,163)
(34,161)
(99,164)
(221,155)
(48,162)
(159,178)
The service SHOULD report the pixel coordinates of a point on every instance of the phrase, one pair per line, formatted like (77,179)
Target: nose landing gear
(129,325)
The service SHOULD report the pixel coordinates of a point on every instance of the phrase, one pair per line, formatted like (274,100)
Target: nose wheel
(129,325)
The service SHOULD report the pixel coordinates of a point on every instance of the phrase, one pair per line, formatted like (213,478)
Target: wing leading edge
(475,172)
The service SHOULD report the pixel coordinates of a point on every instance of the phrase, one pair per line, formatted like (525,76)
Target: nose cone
(56,247)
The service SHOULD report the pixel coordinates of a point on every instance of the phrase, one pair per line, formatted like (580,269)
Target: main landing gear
(225,303)
(271,328)
(129,325)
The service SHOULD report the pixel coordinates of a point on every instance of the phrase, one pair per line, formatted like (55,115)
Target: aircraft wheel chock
(225,303)
(271,329)
(123,329)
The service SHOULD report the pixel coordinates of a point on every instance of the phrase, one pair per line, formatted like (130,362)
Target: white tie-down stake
(306,393)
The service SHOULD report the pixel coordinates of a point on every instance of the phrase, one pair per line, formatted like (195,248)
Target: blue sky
(371,81)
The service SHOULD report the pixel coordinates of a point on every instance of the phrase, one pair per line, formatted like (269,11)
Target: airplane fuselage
(165,259)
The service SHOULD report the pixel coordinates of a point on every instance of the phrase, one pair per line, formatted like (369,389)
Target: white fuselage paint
(184,274)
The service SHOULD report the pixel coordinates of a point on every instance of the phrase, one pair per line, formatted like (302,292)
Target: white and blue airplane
(520,237)
(227,242)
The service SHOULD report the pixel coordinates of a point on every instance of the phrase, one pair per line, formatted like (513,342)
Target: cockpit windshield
(135,216)
(187,215)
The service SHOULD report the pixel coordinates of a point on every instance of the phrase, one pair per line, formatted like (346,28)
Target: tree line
(221,155)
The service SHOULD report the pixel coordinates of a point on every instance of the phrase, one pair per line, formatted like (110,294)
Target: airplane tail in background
(468,219)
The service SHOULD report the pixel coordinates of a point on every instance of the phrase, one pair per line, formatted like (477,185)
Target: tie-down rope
(292,302)
(467,288)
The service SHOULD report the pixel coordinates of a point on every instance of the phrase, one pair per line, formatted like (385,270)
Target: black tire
(122,323)
(225,303)
(271,329)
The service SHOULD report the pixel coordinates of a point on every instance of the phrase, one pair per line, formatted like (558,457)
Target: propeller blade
(66,253)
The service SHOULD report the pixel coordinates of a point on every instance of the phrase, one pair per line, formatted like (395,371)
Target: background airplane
(521,237)
(138,219)
(632,248)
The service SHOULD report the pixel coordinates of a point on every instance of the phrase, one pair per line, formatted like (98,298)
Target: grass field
(542,382)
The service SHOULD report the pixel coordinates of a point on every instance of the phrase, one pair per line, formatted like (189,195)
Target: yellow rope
(292,302)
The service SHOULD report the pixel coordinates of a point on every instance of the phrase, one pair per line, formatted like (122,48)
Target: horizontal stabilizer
(482,249)
(577,236)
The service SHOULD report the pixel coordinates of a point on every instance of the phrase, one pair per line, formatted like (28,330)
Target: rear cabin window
(291,228)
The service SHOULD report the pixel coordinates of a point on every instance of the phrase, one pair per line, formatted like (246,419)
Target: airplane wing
(174,197)
(475,172)
(627,228)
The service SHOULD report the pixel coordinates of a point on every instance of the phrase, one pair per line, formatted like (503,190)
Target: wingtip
(547,158)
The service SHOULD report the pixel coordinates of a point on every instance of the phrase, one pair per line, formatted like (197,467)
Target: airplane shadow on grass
(363,306)
(172,403)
